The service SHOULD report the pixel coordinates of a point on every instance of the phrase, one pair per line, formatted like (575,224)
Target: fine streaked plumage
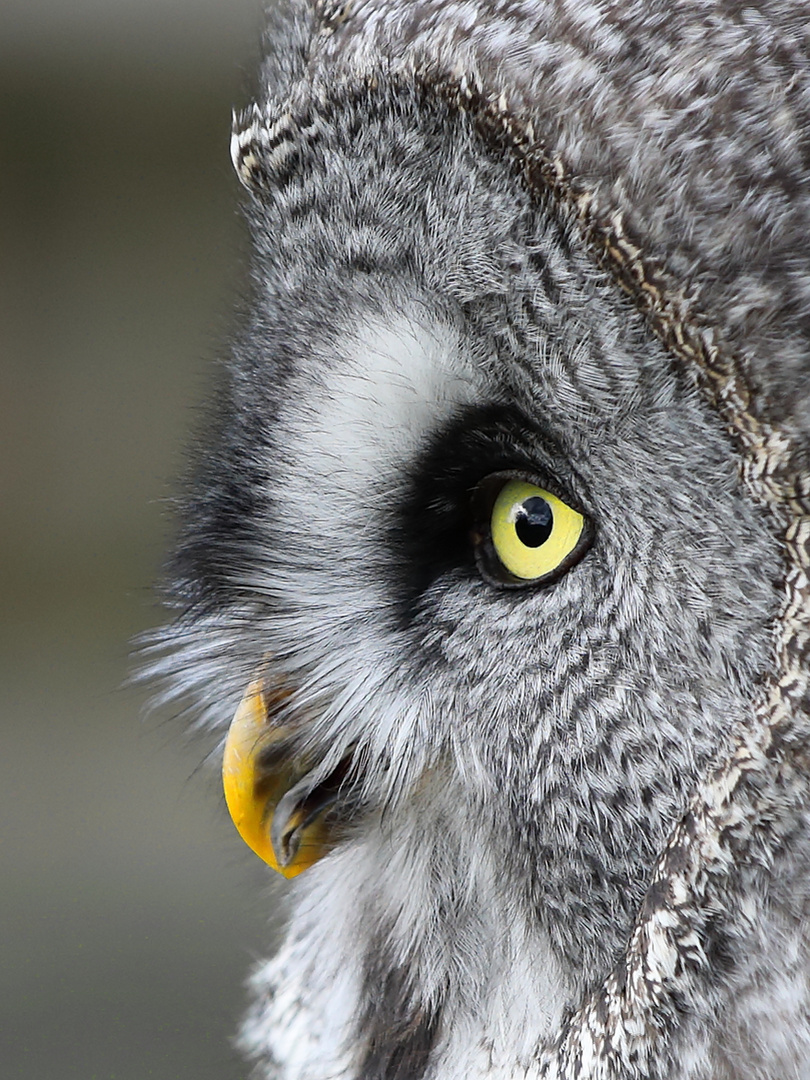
(500,537)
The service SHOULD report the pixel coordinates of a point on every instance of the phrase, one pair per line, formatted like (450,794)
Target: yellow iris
(533,531)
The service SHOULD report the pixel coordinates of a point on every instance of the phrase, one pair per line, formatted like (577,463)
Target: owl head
(474,554)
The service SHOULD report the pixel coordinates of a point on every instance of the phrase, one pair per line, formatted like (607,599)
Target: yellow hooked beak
(274,807)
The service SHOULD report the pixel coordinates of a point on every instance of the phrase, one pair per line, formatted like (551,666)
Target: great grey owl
(500,537)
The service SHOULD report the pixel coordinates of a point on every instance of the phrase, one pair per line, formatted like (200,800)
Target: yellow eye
(533,532)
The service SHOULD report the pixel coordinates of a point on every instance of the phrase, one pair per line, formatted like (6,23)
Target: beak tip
(265,808)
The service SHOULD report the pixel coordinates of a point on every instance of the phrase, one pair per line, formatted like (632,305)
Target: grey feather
(571,236)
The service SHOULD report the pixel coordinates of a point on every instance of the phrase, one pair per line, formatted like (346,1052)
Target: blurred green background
(130,913)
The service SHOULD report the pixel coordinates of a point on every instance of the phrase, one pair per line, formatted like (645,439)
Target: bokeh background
(130,913)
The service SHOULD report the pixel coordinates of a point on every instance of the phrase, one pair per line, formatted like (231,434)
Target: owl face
(480,543)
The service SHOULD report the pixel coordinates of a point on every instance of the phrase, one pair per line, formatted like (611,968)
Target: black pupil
(534,522)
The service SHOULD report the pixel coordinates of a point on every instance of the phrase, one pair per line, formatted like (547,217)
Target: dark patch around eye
(534,522)
(430,531)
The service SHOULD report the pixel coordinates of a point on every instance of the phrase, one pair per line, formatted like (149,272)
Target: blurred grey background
(130,912)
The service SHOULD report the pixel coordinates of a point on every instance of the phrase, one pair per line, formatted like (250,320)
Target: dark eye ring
(525,535)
